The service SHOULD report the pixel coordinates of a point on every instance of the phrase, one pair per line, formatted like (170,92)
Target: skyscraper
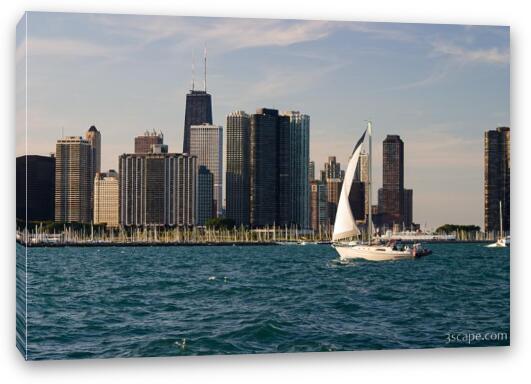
(263,167)
(318,205)
(278,168)
(106,199)
(407,219)
(363,174)
(299,152)
(36,197)
(332,176)
(391,197)
(237,175)
(73,180)
(333,192)
(332,169)
(93,136)
(497,182)
(311,171)
(205,197)
(206,143)
(198,110)
(158,189)
(144,142)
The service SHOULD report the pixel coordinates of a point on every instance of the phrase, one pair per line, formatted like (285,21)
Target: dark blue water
(124,301)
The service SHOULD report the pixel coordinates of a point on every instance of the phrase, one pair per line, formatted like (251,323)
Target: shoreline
(217,244)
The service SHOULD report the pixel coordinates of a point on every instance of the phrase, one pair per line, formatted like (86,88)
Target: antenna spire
(205,79)
(193,70)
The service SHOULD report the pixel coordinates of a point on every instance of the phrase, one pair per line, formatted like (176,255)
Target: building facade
(205,196)
(333,192)
(158,189)
(263,168)
(198,111)
(391,195)
(106,199)
(237,173)
(497,179)
(206,143)
(363,174)
(332,170)
(299,159)
(93,136)
(318,206)
(311,171)
(144,142)
(35,188)
(407,219)
(74,179)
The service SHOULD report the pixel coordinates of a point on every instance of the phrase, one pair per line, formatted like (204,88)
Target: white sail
(345,224)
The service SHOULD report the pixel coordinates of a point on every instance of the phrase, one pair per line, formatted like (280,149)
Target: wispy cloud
(61,47)
(465,54)
(220,33)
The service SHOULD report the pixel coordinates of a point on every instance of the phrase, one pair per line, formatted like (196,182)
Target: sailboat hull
(374,253)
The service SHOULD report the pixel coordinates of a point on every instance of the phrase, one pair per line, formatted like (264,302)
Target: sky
(437,86)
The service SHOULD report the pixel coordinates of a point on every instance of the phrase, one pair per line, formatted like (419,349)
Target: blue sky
(438,86)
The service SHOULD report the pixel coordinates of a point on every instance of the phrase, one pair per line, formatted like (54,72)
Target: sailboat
(345,228)
(503,241)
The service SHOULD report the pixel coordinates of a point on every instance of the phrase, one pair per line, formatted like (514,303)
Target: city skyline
(437,86)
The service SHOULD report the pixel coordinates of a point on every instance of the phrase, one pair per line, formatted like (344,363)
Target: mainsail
(345,224)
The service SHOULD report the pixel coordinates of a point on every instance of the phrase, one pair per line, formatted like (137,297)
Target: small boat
(345,227)
(503,241)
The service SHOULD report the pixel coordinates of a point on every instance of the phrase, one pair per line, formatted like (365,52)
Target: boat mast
(369,182)
(501,221)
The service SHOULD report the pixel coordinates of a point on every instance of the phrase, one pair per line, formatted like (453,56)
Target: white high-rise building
(106,199)
(206,143)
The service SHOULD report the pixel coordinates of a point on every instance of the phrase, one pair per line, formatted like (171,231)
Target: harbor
(212,237)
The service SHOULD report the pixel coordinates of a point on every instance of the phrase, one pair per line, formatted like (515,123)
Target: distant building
(363,174)
(198,111)
(158,148)
(263,167)
(206,143)
(36,198)
(144,142)
(333,189)
(407,219)
(311,171)
(392,193)
(106,199)
(318,205)
(158,189)
(237,173)
(94,138)
(332,170)
(298,200)
(205,198)
(497,178)
(73,180)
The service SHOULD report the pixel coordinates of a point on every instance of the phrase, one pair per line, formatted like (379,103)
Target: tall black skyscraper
(198,110)
(263,167)
(237,176)
(393,179)
(497,188)
(36,198)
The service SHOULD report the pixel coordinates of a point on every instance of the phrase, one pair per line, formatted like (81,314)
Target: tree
(219,223)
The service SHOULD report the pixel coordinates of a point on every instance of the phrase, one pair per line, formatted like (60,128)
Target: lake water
(162,301)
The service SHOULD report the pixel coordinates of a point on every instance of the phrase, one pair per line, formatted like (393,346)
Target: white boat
(345,227)
(503,241)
